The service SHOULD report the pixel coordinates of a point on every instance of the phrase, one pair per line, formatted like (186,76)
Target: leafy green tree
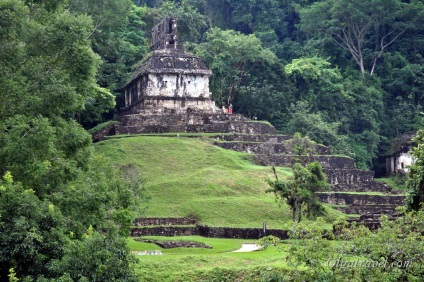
(391,253)
(43,85)
(31,231)
(231,56)
(415,182)
(362,117)
(299,191)
(363,29)
(47,74)
(318,83)
(315,127)
(118,37)
(97,257)
(108,198)
(264,93)
(404,100)
(48,67)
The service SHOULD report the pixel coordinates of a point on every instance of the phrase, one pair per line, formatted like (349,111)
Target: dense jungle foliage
(348,74)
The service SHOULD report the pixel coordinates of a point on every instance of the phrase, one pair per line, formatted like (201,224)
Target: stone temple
(169,92)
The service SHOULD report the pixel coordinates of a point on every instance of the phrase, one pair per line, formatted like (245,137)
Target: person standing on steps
(230,109)
(224,110)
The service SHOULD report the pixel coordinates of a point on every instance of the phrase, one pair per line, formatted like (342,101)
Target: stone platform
(191,120)
(355,191)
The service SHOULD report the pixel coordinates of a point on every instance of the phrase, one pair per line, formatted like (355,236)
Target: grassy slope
(396,182)
(188,176)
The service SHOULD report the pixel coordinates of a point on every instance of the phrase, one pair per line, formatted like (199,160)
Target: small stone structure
(169,78)
(169,92)
(400,158)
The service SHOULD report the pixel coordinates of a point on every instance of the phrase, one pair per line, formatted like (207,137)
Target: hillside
(190,176)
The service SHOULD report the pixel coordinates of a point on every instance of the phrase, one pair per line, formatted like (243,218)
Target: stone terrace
(354,191)
(190,121)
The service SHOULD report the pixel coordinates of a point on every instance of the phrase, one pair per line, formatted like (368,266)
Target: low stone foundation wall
(189,120)
(349,176)
(267,148)
(363,209)
(135,124)
(240,233)
(359,199)
(211,232)
(372,186)
(272,138)
(164,221)
(164,231)
(337,162)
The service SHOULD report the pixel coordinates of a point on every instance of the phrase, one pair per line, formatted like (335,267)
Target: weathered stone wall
(348,176)
(101,134)
(359,199)
(178,85)
(372,186)
(211,232)
(241,233)
(164,34)
(362,209)
(191,121)
(166,105)
(164,231)
(175,244)
(164,221)
(274,138)
(268,148)
(339,162)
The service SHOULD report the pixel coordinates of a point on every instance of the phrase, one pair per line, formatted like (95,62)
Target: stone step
(372,186)
(348,176)
(363,209)
(371,220)
(179,118)
(271,138)
(327,162)
(244,127)
(359,199)
(267,148)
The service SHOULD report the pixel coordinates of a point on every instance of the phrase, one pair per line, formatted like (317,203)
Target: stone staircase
(171,120)
(353,191)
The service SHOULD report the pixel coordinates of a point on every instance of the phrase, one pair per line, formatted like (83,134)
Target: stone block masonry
(360,199)
(164,221)
(211,232)
(342,175)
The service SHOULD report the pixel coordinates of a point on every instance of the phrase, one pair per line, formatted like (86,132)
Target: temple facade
(169,78)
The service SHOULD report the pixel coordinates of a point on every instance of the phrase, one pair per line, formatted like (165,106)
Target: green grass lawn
(190,264)
(192,177)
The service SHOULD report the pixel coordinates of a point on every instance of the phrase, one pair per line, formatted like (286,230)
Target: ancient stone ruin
(169,78)
(169,92)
